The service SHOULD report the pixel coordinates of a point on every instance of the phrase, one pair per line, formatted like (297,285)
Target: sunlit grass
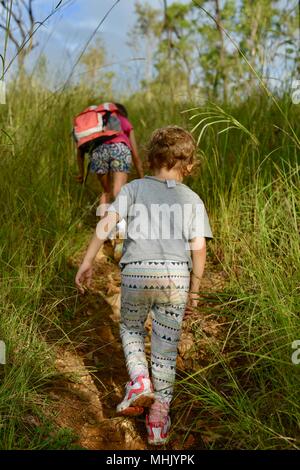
(249,181)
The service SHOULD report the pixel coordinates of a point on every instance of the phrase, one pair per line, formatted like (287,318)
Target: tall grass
(40,207)
(249,180)
(251,189)
(253,196)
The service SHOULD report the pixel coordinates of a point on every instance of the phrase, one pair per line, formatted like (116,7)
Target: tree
(222,51)
(266,30)
(21,28)
(94,74)
(191,57)
(148,27)
(216,59)
(176,54)
(196,46)
(168,34)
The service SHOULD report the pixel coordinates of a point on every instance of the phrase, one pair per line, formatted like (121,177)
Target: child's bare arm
(135,155)
(198,253)
(104,227)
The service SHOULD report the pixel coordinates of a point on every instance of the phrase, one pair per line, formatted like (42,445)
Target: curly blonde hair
(170,146)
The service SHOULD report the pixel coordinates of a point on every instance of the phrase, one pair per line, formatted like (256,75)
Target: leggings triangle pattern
(159,288)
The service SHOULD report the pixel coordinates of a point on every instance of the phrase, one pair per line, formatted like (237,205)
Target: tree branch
(11,37)
(23,41)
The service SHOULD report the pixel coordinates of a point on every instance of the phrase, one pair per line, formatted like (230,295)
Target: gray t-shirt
(162,217)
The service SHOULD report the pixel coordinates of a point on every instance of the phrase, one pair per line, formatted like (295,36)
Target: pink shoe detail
(137,390)
(139,395)
(158,431)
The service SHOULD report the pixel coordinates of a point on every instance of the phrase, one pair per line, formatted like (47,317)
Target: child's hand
(84,276)
(191,304)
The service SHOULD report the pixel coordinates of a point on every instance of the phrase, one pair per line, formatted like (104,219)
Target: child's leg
(134,312)
(132,331)
(166,329)
(105,197)
(119,178)
(167,313)
(120,165)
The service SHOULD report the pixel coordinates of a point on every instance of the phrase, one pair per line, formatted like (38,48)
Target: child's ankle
(158,410)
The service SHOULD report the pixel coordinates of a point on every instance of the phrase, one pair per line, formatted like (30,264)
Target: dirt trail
(93,372)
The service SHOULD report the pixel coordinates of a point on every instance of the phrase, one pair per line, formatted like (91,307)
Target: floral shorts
(111,157)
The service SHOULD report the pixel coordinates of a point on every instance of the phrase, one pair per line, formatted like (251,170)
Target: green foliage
(47,437)
(249,180)
(196,46)
(246,397)
(94,73)
(41,207)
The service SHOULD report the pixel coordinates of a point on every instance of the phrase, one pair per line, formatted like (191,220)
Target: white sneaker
(158,431)
(119,231)
(121,228)
(139,395)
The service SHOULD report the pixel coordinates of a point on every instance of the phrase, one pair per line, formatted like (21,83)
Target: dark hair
(122,110)
(170,145)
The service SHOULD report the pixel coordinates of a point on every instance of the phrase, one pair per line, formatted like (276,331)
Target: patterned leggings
(159,287)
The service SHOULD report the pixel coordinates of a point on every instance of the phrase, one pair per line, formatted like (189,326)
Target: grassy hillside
(249,181)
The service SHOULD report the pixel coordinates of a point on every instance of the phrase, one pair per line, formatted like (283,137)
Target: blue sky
(69,31)
(65,34)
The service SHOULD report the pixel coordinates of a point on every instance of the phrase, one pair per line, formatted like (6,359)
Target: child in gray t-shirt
(162,263)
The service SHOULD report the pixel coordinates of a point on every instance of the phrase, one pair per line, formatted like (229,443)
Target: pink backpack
(96,124)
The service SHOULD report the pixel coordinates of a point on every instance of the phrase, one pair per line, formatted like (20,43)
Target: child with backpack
(161,268)
(112,148)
